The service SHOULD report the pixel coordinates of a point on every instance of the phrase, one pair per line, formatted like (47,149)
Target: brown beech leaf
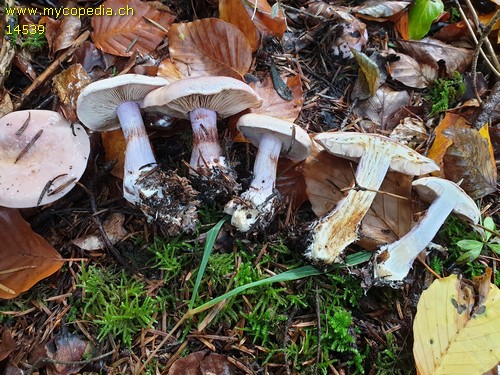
(380,10)
(384,104)
(114,149)
(209,47)
(7,344)
(388,218)
(264,20)
(26,256)
(61,33)
(168,70)
(290,183)
(68,85)
(202,363)
(410,72)
(233,11)
(64,348)
(434,52)
(124,35)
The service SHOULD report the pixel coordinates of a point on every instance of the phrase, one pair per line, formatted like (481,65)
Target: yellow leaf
(369,69)
(454,334)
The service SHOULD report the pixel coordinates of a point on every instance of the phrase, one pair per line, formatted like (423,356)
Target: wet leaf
(202,363)
(124,35)
(61,33)
(7,344)
(66,347)
(113,226)
(290,183)
(114,149)
(410,72)
(260,12)
(210,47)
(369,69)
(233,11)
(421,16)
(68,85)
(167,70)
(388,218)
(89,57)
(26,256)
(381,10)
(453,331)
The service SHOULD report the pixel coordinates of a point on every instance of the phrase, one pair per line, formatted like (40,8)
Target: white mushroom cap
(96,105)
(352,146)
(57,154)
(224,95)
(254,125)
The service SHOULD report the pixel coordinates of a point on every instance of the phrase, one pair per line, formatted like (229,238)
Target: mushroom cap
(224,95)
(97,102)
(429,188)
(353,145)
(254,125)
(57,155)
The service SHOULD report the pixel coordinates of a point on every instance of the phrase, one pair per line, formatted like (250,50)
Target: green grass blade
(358,258)
(209,245)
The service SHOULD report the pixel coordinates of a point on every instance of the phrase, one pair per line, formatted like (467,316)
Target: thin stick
(28,146)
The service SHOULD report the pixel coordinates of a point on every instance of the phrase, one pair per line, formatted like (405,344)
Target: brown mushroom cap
(224,95)
(96,105)
(57,155)
(254,125)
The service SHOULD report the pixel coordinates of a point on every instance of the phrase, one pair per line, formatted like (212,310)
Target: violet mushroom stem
(206,152)
(138,154)
(399,256)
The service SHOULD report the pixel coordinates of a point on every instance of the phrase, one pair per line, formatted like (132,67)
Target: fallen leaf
(114,149)
(434,52)
(68,85)
(89,57)
(26,256)
(7,344)
(167,70)
(410,133)
(380,11)
(66,347)
(421,16)
(233,11)
(453,332)
(23,61)
(369,69)
(390,215)
(61,33)
(6,106)
(384,104)
(410,72)
(453,32)
(290,183)
(124,35)
(202,363)
(113,226)
(209,47)
(260,12)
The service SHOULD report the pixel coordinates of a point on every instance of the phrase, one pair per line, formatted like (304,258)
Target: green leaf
(470,245)
(489,224)
(275,10)
(495,247)
(421,16)
(369,69)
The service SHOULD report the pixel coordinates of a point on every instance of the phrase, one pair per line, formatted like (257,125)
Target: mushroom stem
(264,169)
(338,229)
(403,252)
(206,149)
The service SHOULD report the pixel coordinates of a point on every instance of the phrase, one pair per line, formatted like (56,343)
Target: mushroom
(41,157)
(332,233)
(163,196)
(393,261)
(202,100)
(272,136)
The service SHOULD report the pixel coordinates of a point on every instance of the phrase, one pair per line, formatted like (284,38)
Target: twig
(487,107)
(41,362)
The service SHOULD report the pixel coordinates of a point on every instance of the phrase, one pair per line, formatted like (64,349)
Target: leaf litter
(311,46)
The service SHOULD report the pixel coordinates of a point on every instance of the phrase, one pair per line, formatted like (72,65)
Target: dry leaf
(454,334)
(113,226)
(68,85)
(382,106)
(124,35)
(61,33)
(233,11)
(434,52)
(89,57)
(167,70)
(290,183)
(202,363)
(66,347)
(7,344)
(380,10)
(26,256)
(209,47)
(114,149)
(410,72)
(388,218)
(410,133)
(369,70)
(265,23)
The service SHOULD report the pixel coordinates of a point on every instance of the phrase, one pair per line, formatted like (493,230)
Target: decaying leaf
(384,104)
(68,85)
(66,347)
(390,215)
(233,11)
(7,344)
(290,183)
(410,72)
(89,56)
(113,226)
(26,256)
(124,35)
(433,52)
(411,132)
(261,13)
(61,33)
(454,333)
(381,10)
(209,47)
(114,149)
(167,70)
(202,363)
(369,69)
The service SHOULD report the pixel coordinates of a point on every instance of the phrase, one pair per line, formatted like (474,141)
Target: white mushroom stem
(403,252)
(138,153)
(206,148)
(335,231)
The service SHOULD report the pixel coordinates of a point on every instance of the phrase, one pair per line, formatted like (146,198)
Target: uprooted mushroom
(393,261)
(202,100)
(332,233)
(272,136)
(163,196)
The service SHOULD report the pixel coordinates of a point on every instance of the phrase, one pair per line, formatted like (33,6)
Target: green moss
(445,93)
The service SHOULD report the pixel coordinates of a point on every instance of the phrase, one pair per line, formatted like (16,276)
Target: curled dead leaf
(114,149)
(61,33)
(262,15)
